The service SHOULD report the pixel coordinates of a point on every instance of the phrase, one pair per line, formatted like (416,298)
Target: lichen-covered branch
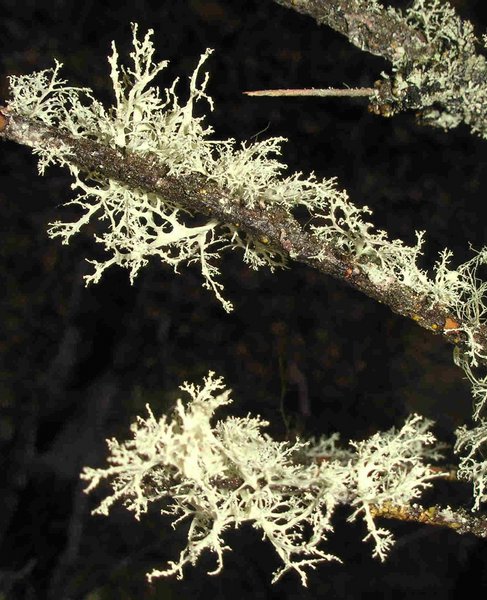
(144,164)
(222,474)
(277,230)
(149,172)
(438,70)
(458,520)
(367,25)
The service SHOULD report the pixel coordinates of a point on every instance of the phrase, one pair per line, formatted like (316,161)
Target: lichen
(446,85)
(139,225)
(471,445)
(222,474)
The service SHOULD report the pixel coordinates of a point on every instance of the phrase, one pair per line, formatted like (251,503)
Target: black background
(77,364)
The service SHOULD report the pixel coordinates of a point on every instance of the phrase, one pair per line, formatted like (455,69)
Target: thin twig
(330,92)
(461,521)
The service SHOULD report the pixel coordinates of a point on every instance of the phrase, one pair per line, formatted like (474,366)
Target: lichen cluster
(447,84)
(225,474)
(222,474)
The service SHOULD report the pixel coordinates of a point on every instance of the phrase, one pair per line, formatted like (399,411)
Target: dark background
(77,364)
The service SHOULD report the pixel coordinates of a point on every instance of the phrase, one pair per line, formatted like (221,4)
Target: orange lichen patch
(450,324)
(3,119)
(426,323)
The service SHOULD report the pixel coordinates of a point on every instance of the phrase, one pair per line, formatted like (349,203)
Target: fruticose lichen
(447,84)
(221,475)
(138,224)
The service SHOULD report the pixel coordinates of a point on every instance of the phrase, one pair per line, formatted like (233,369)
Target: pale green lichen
(139,225)
(471,444)
(469,305)
(226,473)
(389,468)
(221,475)
(449,85)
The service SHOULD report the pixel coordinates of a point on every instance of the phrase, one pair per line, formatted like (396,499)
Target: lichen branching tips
(221,474)
(135,224)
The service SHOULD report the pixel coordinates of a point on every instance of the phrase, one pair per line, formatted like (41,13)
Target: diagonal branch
(366,25)
(275,228)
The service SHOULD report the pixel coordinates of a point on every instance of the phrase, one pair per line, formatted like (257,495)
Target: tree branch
(275,227)
(460,521)
(437,70)
(381,33)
